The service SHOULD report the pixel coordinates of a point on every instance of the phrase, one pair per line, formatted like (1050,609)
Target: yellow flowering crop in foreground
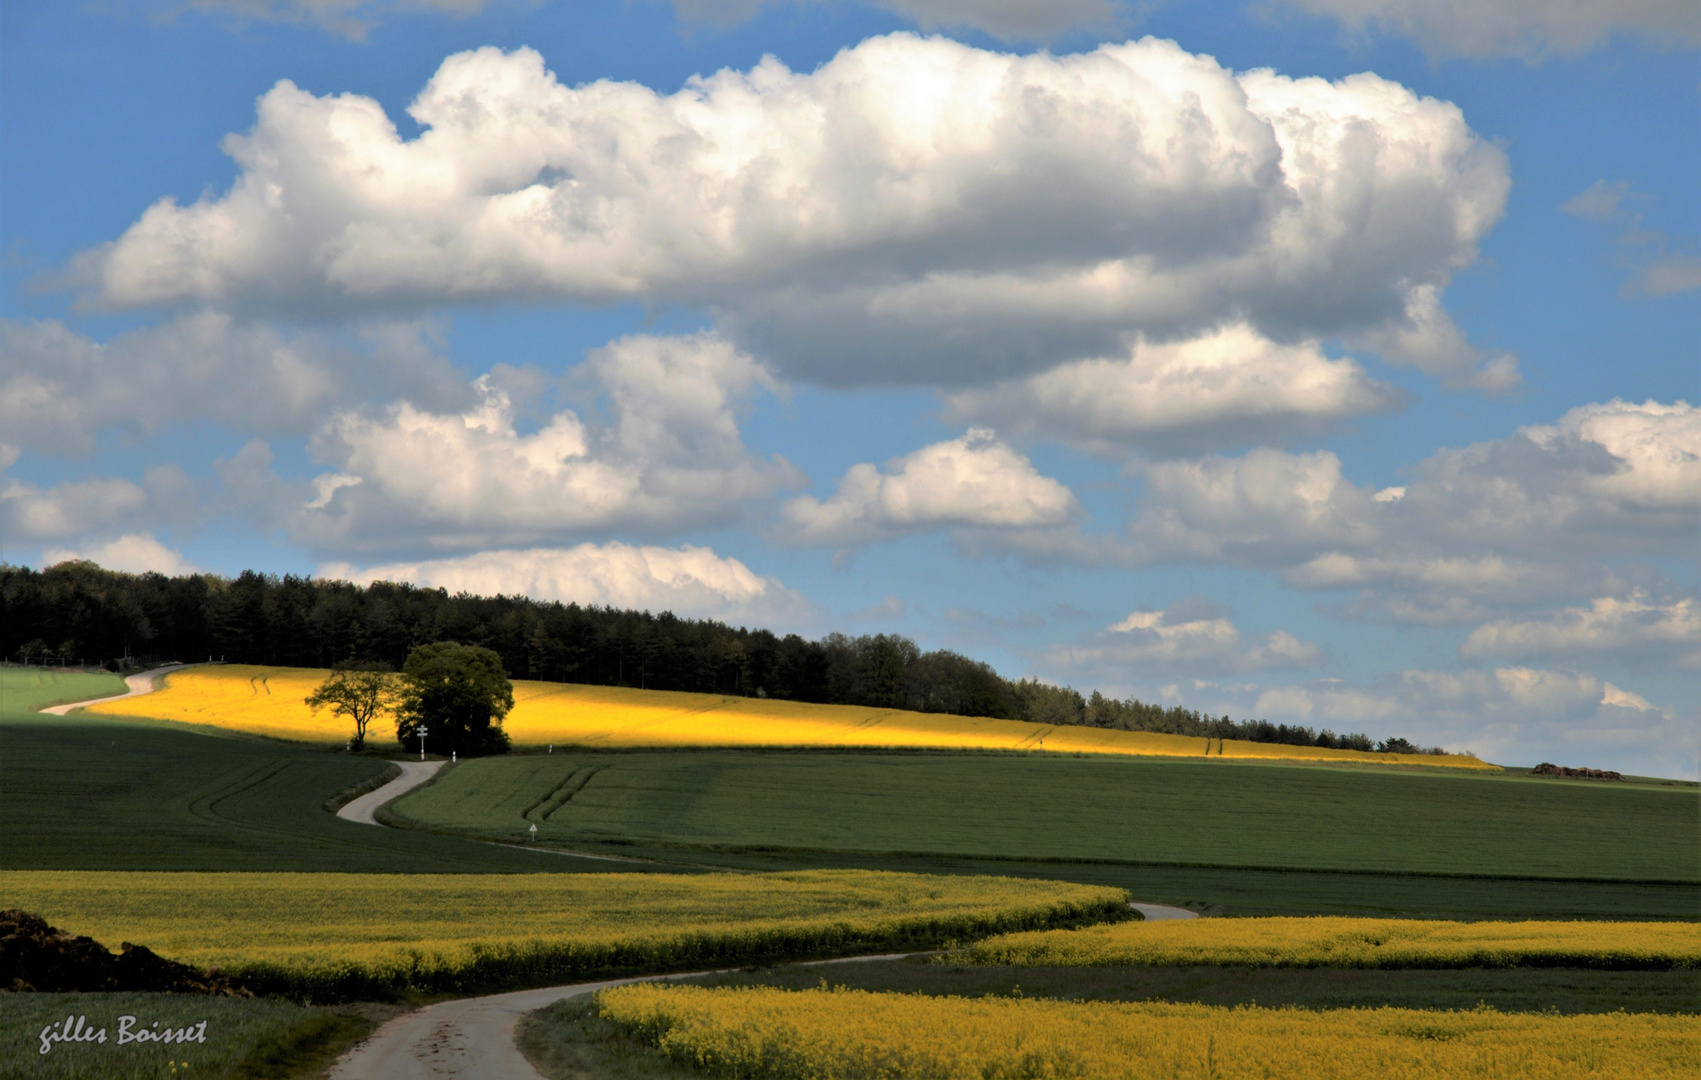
(1338,942)
(325,934)
(826,1035)
(269,701)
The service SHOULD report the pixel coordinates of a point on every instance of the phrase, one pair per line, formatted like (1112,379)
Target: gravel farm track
(465,1037)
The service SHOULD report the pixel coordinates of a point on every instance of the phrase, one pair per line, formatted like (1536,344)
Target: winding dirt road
(414,773)
(139,684)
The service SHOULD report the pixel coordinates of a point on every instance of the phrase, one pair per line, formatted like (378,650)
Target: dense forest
(77,612)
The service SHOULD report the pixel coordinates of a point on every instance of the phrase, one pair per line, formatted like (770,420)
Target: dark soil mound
(36,956)
(1550,769)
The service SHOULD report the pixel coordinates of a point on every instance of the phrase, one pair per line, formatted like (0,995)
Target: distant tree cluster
(87,611)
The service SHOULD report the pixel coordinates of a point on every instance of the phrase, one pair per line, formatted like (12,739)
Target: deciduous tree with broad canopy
(460,693)
(360,691)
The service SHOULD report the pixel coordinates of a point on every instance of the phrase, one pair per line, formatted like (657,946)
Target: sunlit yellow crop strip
(1340,942)
(270,701)
(317,933)
(827,1035)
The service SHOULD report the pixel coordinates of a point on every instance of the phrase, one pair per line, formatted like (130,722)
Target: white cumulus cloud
(1191,637)
(1521,516)
(970,214)
(1230,387)
(689,581)
(1509,715)
(133,553)
(1634,629)
(671,457)
(972,482)
(76,509)
(59,389)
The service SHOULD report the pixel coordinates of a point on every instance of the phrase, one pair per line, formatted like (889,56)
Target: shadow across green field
(88,793)
(1562,990)
(1226,838)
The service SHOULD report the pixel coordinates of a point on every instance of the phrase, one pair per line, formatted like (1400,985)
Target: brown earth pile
(37,957)
(1549,769)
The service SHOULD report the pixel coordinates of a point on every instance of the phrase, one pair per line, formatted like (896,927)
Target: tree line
(77,610)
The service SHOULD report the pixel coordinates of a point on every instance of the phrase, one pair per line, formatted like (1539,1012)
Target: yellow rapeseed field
(831,1034)
(324,934)
(1339,942)
(269,701)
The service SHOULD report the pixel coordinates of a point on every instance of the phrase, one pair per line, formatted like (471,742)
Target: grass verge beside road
(245,1038)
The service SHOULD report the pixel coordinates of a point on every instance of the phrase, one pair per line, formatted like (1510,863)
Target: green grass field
(94,793)
(1069,808)
(1183,816)
(86,793)
(245,1038)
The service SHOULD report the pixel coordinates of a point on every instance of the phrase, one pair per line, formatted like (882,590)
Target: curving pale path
(139,684)
(1160,912)
(414,773)
(474,1037)
(470,1037)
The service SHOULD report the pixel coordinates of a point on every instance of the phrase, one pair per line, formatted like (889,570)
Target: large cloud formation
(1633,629)
(1506,714)
(970,214)
(690,581)
(672,457)
(1519,519)
(59,389)
(93,505)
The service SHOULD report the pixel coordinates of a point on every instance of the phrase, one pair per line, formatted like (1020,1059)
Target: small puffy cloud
(1633,629)
(914,210)
(1193,636)
(1526,28)
(1511,715)
(59,389)
(972,482)
(1599,201)
(1656,270)
(133,553)
(689,581)
(1230,387)
(77,508)
(1670,274)
(672,457)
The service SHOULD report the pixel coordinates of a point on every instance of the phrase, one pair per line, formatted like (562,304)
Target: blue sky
(1330,361)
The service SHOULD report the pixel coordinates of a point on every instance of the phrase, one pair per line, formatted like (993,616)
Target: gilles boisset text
(78,1029)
